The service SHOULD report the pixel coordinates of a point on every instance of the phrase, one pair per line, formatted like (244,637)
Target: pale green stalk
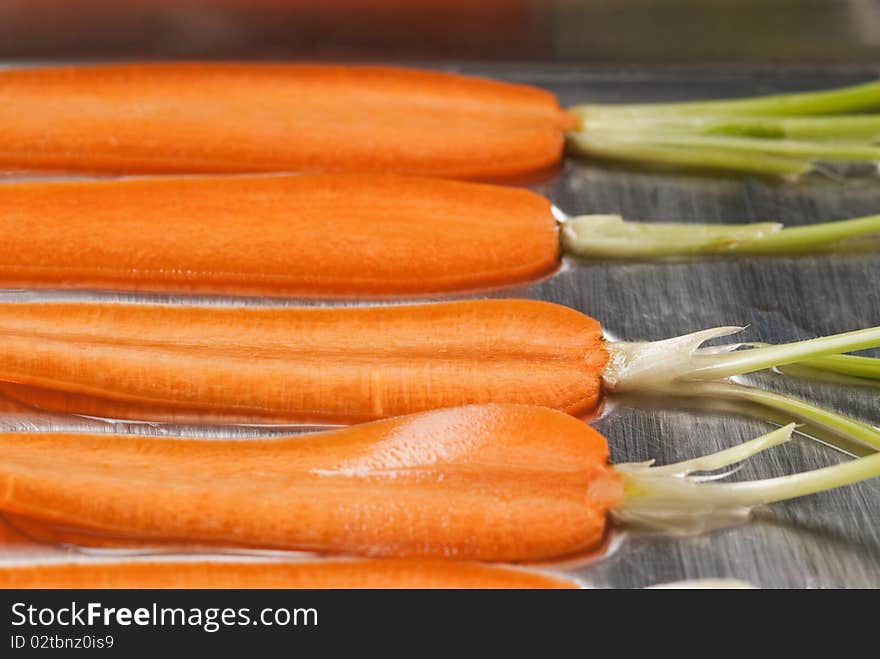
(830,151)
(862,128)
(838,425)
(679,366)
(852,127)
(729,456)
(611,237)
(647,366)
(600,146)
(779,135)
(671,499)
(855,98)
(708,367)
(850,366)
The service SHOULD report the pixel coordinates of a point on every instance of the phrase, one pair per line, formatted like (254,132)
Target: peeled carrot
(221,118)
(309,365)
(489,483)
(326,235)
(315,365)
(476,483)
(335,235)
(313,574)
(202,117)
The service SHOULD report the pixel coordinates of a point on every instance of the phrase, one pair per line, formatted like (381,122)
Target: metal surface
(827,540)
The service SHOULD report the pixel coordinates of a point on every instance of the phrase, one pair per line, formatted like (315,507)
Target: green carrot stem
(779,135)
(838,425)
(863,128)
(787,148)
(692,157)
(729,456)
(659,365)
(747,361)
(867,368)
(854,366)
(611,237)
(649,497)
(856,128)
(670,499)
(799,485)
(854,98)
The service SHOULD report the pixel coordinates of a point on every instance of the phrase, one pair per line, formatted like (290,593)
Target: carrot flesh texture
(491,483)
(324,574)
(301,365)
(222,118)
(318,235)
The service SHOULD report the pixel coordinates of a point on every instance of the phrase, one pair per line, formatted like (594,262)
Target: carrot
(336,235)
(326,235)
(491,483)
(309,365)
(314,365)
(411,486)
(233,574)
(222,118)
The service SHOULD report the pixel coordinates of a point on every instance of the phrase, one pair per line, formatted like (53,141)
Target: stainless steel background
(831,539)
(827,540)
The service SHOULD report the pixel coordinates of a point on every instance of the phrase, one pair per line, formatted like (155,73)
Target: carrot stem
(867,368)
(840,426)
(607,146)
(746,361)
(669,498)
(837,150)
(849,366)
(729,456)
(645,366)
(612,237)
(680,366)
(848,127)
(778,135)
(853,98)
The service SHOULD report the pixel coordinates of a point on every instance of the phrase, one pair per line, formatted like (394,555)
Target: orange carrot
(337,235)
(307,365)
(484,483)
(346,365)
(314,574)
(222,118)
(200,117)
(326,235)
(489,483)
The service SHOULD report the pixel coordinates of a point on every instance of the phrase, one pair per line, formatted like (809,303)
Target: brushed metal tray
(827,540)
